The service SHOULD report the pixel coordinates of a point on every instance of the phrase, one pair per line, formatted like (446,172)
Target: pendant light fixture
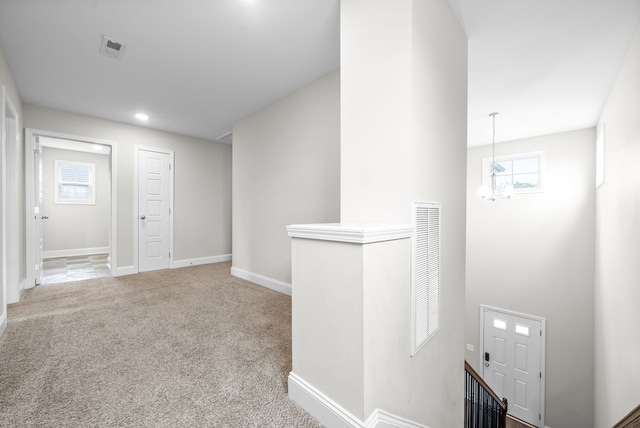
(490,193)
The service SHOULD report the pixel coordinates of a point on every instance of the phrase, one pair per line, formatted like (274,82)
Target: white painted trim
(30,136)
(75,146)
(543,352)
(382,419)
(3,322)
(332,415)
(75,252)
(124,270)
(136,230)
(201,261)
(359,233)
(22,287)
(9,115)
(324,409)
(274,284)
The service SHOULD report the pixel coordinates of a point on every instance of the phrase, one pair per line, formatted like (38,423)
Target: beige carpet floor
(190,347)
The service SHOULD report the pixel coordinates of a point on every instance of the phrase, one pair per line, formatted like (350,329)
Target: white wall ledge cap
(359,233)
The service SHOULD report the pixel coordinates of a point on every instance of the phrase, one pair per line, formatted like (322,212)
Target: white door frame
(543,339)
(10,144)
(136,229)
(30,141)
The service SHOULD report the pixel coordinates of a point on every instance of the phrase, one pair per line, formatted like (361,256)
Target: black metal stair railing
(483,408)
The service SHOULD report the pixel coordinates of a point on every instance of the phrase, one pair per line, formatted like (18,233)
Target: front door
(512,361)
(153,210)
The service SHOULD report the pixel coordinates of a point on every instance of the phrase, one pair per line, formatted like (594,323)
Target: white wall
(404,106)
(75,226)
(202,196)
(617,338)
(6,79)
(285,170)
(534,254)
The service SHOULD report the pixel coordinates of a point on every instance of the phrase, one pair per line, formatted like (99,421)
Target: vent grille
(425,283)
(111,48)
(114,45)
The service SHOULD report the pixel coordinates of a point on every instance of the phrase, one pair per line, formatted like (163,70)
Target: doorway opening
(70,197)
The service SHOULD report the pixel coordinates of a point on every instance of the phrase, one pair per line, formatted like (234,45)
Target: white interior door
(153,210)
(512,361)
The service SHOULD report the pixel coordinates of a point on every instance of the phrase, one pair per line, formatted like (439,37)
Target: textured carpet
(190,347)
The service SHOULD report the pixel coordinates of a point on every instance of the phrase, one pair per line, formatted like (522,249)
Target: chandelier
(503,191)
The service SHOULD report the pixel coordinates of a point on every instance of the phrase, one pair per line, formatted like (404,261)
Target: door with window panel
(512,361)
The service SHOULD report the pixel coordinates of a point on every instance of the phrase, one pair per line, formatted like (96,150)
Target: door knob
(142,217)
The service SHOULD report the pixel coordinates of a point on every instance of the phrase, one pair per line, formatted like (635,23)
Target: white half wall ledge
(332,415)
(274,284)
(358,233)
(201,261)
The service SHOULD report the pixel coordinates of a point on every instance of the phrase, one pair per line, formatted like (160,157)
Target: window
(521,170)
(75,183)
(499,324)
(522,329)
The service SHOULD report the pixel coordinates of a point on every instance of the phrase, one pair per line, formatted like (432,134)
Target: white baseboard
(332,415)
(130,270)
(201,261)
(21,288)
(3,322)
(382,419)
(75,252)
(274,284)
(325,410)
(125,270)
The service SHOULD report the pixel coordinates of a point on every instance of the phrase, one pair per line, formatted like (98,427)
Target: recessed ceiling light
(142,116)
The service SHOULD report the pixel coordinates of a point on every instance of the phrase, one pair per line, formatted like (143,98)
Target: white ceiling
(195,67)
(546,66)
(198,66)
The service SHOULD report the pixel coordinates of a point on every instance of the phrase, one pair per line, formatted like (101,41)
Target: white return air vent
(425,274)
(112,48)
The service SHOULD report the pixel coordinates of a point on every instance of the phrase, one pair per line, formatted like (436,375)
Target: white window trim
(91,185)
(486,169)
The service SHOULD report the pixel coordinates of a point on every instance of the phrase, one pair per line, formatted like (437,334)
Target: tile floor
(66,269)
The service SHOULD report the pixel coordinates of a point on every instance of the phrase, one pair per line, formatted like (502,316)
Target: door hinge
(169,254)
(169,167)
(540,375)
(539,416)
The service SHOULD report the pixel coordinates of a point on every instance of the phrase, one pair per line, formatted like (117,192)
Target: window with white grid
(75,182)
(523,171)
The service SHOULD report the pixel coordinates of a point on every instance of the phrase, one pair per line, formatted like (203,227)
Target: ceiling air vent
(111,47)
